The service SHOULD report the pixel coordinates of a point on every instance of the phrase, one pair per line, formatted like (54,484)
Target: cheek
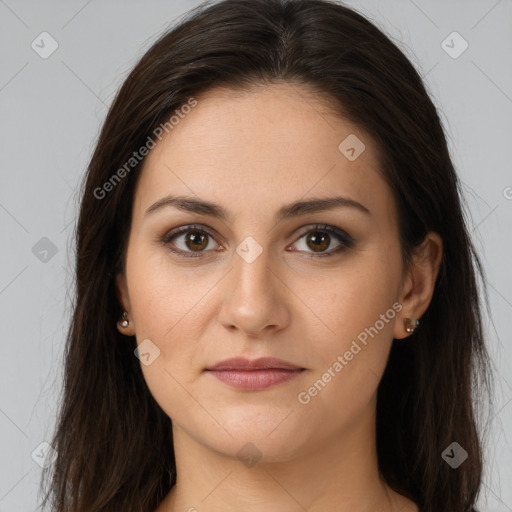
(347,300)
(168,304)
(354,314)
(165,296)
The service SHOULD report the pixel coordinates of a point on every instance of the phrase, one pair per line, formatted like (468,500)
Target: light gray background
(51,112)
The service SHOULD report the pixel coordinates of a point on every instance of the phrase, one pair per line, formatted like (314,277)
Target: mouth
(263,363)
(254,375)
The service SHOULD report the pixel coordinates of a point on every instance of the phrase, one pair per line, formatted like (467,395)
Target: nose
(255,295)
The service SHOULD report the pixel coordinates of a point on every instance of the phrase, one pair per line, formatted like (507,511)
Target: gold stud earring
(410,324)
(124,322)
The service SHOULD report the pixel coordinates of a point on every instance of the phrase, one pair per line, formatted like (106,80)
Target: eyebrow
(295,209)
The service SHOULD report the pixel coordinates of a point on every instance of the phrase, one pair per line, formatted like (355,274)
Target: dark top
(472,510)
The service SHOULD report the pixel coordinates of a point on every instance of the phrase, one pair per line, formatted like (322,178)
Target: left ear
(419,283)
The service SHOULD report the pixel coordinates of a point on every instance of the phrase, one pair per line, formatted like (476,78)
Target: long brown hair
(114,443)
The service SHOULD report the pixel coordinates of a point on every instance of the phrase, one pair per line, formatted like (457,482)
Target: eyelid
(329,228)
(174,233)
(346,240)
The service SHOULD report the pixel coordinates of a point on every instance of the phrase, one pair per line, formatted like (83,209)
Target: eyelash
(346,240)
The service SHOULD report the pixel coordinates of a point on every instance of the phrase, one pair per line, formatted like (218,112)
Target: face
(319,289)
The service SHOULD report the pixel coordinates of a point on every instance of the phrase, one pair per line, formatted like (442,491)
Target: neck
(339,473)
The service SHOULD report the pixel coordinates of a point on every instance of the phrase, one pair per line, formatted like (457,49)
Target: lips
(263,363)
(254,375)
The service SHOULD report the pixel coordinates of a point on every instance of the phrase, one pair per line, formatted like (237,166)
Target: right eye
(191,239)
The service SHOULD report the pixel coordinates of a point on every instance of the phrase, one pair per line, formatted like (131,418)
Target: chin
(250,451)
(272,434)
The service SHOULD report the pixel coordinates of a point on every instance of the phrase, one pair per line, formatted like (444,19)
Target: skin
(253,152)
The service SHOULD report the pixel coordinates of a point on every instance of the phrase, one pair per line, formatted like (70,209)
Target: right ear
(122,291)
(124,300)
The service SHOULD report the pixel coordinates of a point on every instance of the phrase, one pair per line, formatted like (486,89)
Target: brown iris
(318,240)
(196,240)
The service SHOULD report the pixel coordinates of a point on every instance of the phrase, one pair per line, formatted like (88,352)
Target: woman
(277,303)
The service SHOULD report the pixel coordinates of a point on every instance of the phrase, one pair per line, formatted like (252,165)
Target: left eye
(320,237)
(317,239)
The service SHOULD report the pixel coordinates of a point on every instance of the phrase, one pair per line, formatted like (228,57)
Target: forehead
(263,147)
